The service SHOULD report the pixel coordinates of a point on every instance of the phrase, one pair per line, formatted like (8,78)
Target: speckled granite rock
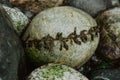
(109,21)
(56,72)
(61,34)
(11,51)
(106,74)
(18,19)
(93,7)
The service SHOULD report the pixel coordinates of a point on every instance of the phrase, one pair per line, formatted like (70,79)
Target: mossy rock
(17,18)
(61,34)
(56,72)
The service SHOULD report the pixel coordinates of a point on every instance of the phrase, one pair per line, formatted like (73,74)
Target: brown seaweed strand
(47,42)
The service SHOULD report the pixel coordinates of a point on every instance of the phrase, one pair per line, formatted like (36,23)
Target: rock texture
(11,51)
(106,74)
(56,72)
(17,18)
(61,34)
(109,22)
(93,7)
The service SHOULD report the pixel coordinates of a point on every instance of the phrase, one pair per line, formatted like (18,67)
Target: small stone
(109,45)
(56,72)
(29,14)
(93,7)
(61,34)
(5,2)
(18,19)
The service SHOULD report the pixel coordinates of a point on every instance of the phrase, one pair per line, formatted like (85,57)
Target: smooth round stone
(93,7)
(11,51)
(58,35)
(56,72)
(18,19)
(109,45)
(105,74)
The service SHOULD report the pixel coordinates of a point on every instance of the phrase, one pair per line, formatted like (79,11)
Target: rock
(11,51)
(61,34)
(56,72)
(29,14)
(18,19)
(109,45)
(106,74)
(93,7)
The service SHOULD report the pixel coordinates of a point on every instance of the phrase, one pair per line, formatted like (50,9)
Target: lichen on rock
(56,72)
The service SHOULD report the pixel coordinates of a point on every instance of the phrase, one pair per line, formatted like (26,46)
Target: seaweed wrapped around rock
(93,7)
(61,34)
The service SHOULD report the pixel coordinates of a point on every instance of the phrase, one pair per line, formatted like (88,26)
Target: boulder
(105,74)
(61,34)
(11,51)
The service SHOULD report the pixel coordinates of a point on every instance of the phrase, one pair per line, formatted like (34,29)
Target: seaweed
(47,42)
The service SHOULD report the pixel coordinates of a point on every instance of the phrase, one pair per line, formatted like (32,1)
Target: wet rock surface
(93,7)
(11,51)
(97,68)
(5,2)
(17,18)
(56,72)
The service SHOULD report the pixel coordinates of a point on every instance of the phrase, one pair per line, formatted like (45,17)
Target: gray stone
(5,2)
(93,7)
(56,35)
(106,74)
(11,51)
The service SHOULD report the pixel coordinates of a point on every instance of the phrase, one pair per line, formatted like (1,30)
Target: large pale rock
(93,7)
(56,72)
(109,22)
(61,34)
(11,51)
